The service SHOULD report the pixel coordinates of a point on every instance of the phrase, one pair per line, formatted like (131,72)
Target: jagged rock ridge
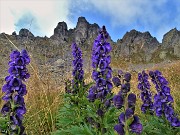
(135,45)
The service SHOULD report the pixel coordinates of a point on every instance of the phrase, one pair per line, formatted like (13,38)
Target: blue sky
(119,16)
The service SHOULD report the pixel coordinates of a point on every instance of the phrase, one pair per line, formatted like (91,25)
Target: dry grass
(42,101)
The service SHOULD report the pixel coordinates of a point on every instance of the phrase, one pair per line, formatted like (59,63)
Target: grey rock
(81,32)
(162,55)
(25,33)
(14,33)
(135,42)
(172,40)
(60,32)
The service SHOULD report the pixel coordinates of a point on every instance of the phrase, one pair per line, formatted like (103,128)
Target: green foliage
(153,125)
(3,124)
(72,116)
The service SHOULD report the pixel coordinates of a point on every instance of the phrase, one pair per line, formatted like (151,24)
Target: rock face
(25,33)
(135,42)
(133,46)
(171,40)
(60,32)
(83,31)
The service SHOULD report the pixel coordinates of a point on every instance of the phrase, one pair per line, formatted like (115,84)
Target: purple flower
(118,101)
(120,73)
(15,84)
(101,70)
(125,88)
(116,81)
(14,90)
(127,77)
(6,108)
(107,103)
(91,96)
(100,112)
(131,100)
(146,95)
(15,54)
(121,118)
(119,128)
(78,73)
(136,126)
(163,99)
(129,113)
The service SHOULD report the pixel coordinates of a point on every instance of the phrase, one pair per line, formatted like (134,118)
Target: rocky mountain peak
(141,46)
(25,33)
(136,35)
(81,32)
(171,38)
(130,35)
(61,31)
(135,42)
(82,19)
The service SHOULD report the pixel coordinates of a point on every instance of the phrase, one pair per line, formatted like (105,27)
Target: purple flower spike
(146,95)
(77,63)
(101,75)
(14,90)
(163,99)
(100,63)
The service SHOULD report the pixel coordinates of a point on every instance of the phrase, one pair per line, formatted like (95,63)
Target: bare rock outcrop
(25,33)
(60,32)
(135,42)
(171,41)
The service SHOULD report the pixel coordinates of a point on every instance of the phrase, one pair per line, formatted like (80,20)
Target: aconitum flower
(131,101)
(78,73)
(163,99)
(125,86)
(119,128)
(101,75)
(136,126)
(107,103)
(101,66)
(146,94)
(127,77)
(118,101)
(14,89)
(116,81)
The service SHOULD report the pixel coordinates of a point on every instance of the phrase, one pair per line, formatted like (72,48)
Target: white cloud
(124,12)
(128,12)
(46,14)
